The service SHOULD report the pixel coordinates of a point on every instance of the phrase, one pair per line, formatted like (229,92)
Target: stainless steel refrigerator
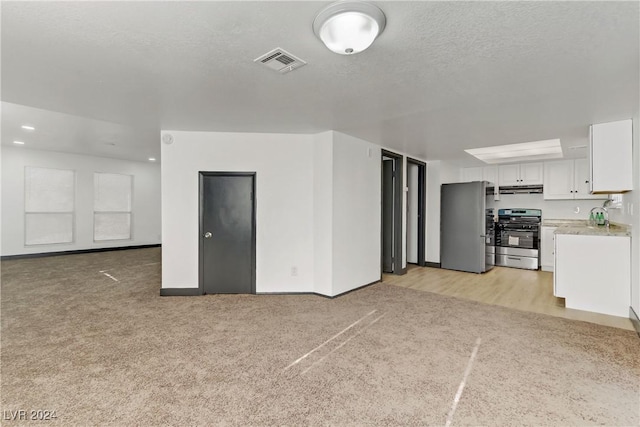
(467,227)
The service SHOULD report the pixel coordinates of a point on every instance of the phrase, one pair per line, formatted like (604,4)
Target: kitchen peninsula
(593,267)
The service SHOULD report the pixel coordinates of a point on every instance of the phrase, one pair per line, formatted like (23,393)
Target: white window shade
(111,226)
(112,192)
(49,202)
(48,228)
(49,190)
(112,206)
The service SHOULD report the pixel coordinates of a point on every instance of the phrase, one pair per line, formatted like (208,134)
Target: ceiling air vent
(280,60)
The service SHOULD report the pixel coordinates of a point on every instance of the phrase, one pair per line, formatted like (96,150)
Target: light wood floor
(508,287)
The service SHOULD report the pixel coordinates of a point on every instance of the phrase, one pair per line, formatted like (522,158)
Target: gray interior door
(227,233)
(387,216)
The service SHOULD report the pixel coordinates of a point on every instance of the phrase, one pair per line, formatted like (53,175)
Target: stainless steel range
(518,238)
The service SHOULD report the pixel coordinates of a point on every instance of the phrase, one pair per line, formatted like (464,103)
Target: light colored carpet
(101,352)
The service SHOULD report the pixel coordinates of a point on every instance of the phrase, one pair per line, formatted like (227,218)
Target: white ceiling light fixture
(18,142)
(349,26)
(536,150)
(152,159)
(28,127)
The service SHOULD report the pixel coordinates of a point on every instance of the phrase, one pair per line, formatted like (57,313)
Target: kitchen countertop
(581,227)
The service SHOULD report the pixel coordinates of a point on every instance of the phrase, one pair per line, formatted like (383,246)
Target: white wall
(323,212)
(449,173)
(356,213)
(284,204)
(433,211)
(412,213)
(146,199)
(629,215)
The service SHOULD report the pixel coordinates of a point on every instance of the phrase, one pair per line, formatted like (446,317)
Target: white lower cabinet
(547,249)
(593,273)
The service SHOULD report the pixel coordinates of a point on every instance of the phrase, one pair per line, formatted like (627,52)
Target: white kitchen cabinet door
(581,181)
(568,180)
(490,173)
(610,149)
(531,174)
(558,180)
(508,175)
(472,174)
(593,273)
(520,174)
(547,248)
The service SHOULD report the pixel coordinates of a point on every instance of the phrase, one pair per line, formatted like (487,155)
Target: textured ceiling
(444,76)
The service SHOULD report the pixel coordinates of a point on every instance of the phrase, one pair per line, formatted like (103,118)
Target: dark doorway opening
(416,208)
(227,263)
(391,238)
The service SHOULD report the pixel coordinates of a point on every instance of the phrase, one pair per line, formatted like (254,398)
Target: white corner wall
(318,207)
(356,257)
(146,199)
(634,204)
(284,204)
(433,211)
(629,214)
(323,212)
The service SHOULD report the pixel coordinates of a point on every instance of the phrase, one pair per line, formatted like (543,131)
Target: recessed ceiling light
(27,127)
(18,142)
(152,159)
(536,150)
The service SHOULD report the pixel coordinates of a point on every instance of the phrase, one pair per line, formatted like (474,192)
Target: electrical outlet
(294,271)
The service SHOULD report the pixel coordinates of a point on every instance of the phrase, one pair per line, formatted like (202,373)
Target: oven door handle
(514,258)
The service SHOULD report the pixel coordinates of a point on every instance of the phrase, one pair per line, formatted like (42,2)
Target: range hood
(521,189)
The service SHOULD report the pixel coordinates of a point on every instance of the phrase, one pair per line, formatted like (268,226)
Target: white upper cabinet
(508,175)
(558,179)
(531,174)
(487,173)
(567,180)
(610,149)
(520,174)
(490,173)
(582,181)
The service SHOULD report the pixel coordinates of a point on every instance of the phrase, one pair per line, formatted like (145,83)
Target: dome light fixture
(349,26)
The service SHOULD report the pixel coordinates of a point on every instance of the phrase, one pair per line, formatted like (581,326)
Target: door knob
(207,235)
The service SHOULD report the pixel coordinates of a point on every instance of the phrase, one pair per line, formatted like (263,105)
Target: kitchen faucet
(599,209)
